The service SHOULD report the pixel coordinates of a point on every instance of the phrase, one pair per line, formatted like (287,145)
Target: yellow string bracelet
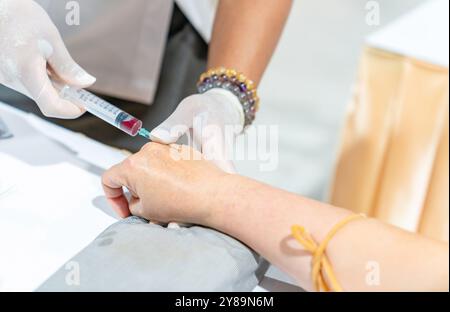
(322,270)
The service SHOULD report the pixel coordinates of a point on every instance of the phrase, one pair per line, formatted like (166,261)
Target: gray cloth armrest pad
(133,255)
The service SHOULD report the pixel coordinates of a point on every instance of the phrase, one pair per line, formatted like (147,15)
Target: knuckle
(58,112)
(189,102)
(154,149)
(148,146)
(186,101)
(129,163)
(47,113)
(51,111)
(135,210)
(105,178)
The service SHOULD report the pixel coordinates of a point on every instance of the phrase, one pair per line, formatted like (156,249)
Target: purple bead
(207,80)
(243,87)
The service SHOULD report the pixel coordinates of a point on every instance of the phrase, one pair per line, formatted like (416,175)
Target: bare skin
(246,33)
(166,186)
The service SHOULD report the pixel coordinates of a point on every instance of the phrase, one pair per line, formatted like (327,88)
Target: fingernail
(161,135)
(173,225)
(83,77)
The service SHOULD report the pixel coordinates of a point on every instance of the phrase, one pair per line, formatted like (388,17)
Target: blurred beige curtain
(393,162)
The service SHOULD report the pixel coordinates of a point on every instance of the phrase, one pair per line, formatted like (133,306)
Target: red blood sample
(131,125)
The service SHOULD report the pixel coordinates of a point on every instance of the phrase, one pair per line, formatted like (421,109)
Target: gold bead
(221,70)
(231,73)
(257,106)
(250,85)
(241,78)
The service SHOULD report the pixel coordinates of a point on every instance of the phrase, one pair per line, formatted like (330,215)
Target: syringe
(105,111)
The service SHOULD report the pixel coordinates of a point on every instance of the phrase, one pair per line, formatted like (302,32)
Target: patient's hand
(167,184)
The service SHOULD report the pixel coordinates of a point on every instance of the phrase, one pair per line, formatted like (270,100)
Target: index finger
(113,182)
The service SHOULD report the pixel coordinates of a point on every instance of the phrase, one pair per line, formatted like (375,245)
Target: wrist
(226,201)
(238,84)
(232,101)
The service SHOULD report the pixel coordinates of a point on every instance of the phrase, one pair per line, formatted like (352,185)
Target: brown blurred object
(393,162)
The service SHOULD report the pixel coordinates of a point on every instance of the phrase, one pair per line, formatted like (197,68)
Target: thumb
(39,87)
(113,181)
(175,126)
(63,65)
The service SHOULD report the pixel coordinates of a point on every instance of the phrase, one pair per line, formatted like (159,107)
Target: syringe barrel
(103,110)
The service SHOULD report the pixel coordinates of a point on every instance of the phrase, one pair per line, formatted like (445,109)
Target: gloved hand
(207,116)
(31,50)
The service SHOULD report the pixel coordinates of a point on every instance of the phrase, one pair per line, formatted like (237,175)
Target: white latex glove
(206,115)
(31,48)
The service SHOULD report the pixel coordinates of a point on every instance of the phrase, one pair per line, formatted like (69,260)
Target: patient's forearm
(261,217)
(246,33)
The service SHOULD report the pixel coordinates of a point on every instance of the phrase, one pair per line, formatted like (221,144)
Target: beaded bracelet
(238,84)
